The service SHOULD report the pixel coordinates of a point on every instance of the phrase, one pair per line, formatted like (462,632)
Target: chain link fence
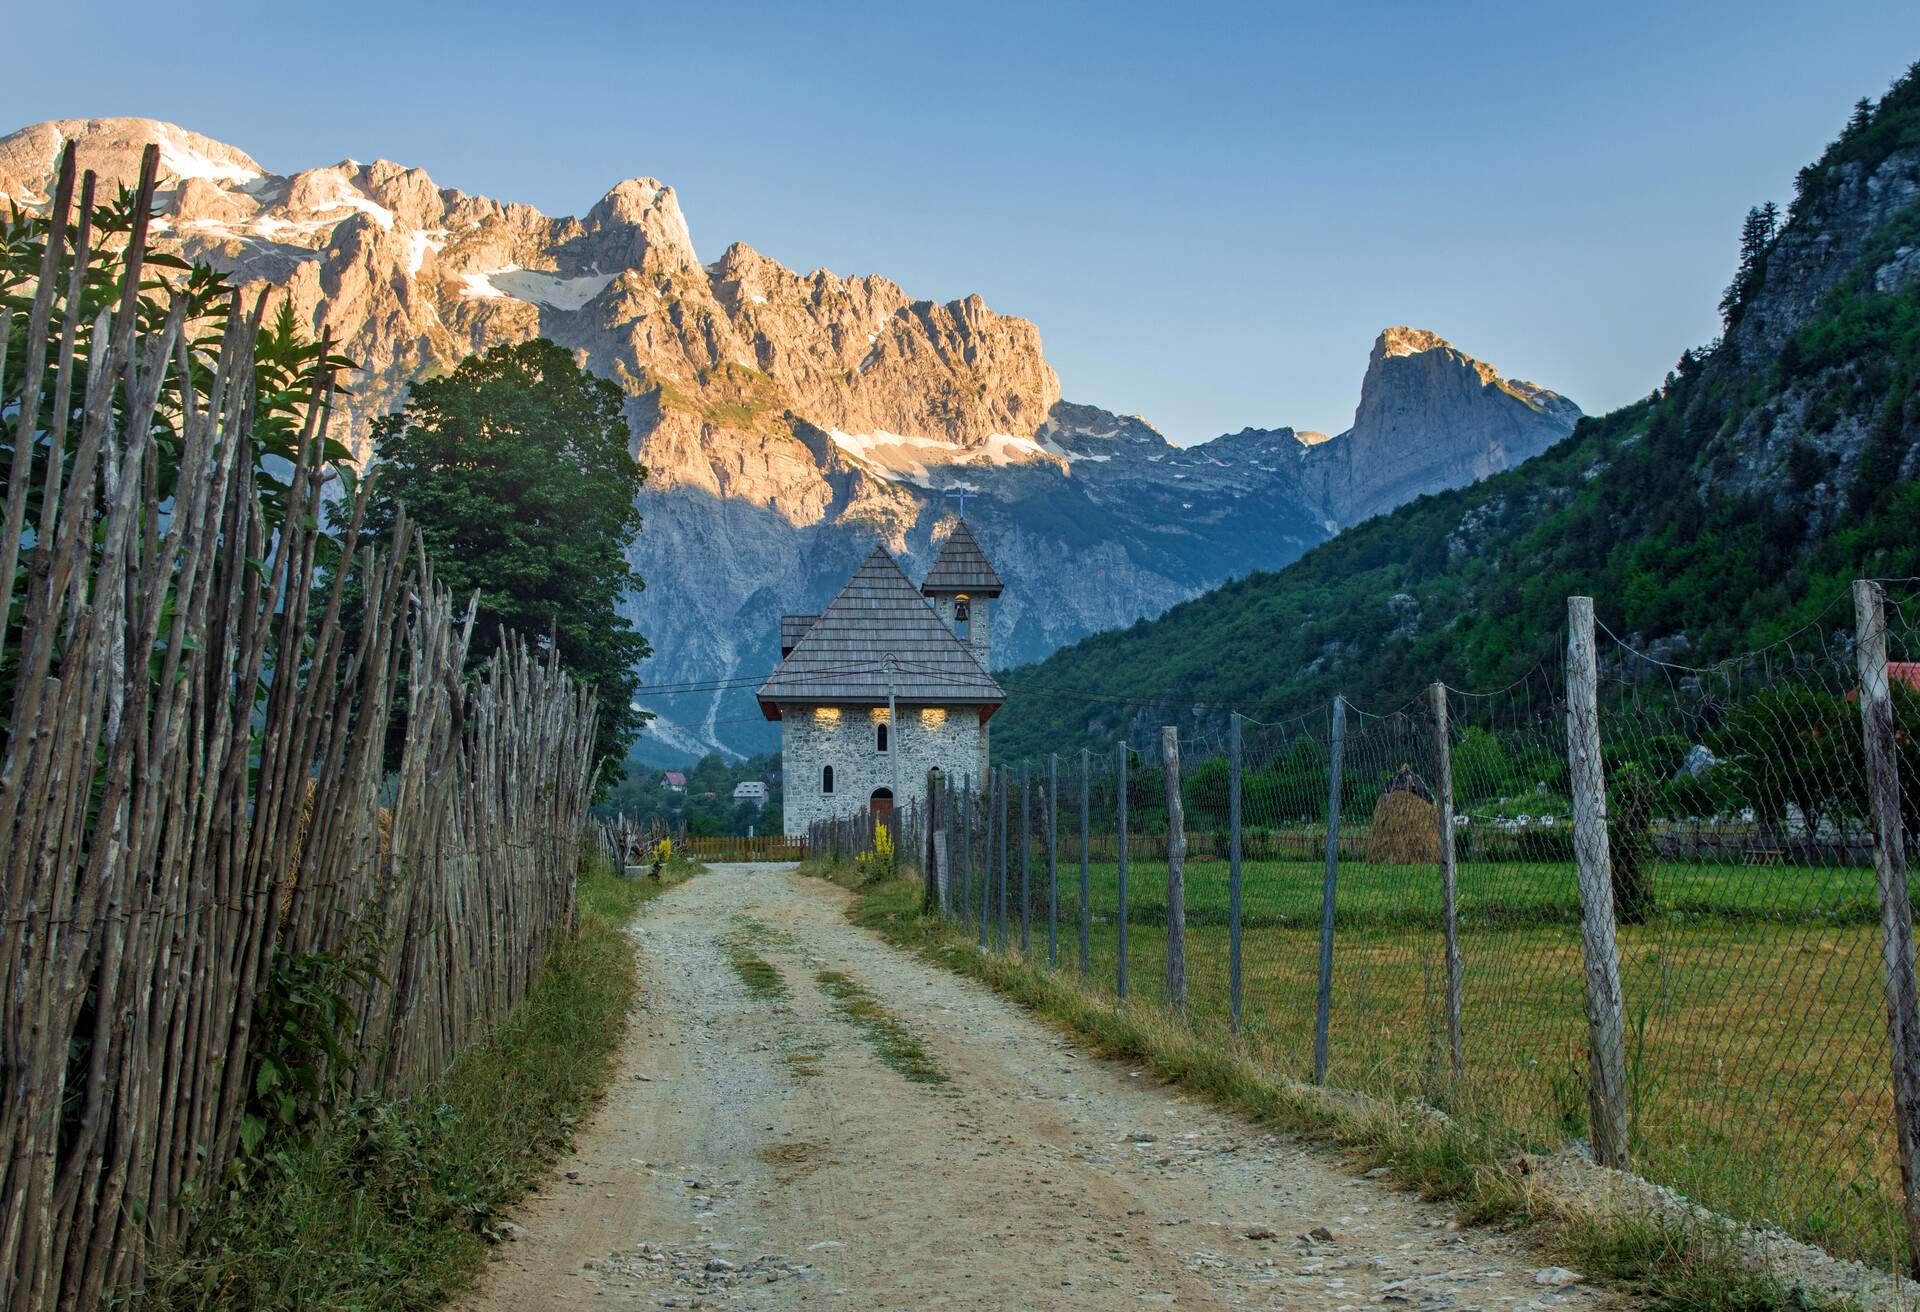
(1659,909)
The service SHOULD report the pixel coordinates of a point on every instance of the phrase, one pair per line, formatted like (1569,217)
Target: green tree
(1481,768)
(1756,235)
(1205,791)
(1793,748)
(515,467)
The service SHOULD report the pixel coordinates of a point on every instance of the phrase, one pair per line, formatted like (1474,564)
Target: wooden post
(1026,856)
(1176,871)
(950,891)
(1053,862)
(931,900)
(1000,790)
(1607,1043)
(1896,911)
(1449,873)
(1121,818)
(963,863)
(1323,1002)
(1086,909)
(1233,868)
(984,796)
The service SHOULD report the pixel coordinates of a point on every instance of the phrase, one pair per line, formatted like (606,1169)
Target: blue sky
(1209,209)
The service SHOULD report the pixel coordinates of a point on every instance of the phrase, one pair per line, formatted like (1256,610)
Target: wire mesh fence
(1627,902)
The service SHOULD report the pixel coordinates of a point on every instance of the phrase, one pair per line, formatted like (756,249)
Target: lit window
(826,778)
(827,715)
(933,716)
(880,736)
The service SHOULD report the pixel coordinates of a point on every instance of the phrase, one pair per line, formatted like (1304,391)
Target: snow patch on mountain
(480,284)
(184,161)
(422,243)
(909,459)
(551,289)
(354,201)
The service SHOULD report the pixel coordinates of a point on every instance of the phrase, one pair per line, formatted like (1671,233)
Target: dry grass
(1405,830)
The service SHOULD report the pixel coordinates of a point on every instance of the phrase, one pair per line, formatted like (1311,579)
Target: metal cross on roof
(960,494)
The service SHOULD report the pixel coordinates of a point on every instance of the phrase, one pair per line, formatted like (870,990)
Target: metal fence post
(1086,908)
(1053,862)
(1879,736)
(1607,1041)
(1026,856)
(1121,816)
(1323,1001)
(1449,875)
(1176,871)
(1233,867)
(1000,807)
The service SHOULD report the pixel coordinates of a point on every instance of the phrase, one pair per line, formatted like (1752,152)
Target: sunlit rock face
(1430,417)
(788,420)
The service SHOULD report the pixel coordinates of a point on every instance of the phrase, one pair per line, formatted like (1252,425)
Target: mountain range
(788,419)
(1726,511)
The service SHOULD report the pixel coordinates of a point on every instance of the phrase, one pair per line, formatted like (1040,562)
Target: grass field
(1757,1058)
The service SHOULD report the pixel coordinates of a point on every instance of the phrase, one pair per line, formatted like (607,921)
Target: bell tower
(963,586)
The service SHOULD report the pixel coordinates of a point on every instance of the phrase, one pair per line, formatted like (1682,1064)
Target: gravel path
(756,1152)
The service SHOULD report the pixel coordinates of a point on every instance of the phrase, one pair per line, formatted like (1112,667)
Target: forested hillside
(1729,507)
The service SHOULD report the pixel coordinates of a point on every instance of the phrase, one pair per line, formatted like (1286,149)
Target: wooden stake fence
(192,773)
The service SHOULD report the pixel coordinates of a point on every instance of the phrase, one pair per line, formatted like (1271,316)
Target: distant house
(675,781)
(1899,673)
(750,790)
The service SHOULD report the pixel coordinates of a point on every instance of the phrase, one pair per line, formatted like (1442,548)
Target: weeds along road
(805,1117)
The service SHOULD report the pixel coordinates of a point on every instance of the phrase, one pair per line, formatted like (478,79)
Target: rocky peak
(1401,340)
(112,147)
(1430,417)
(639,226)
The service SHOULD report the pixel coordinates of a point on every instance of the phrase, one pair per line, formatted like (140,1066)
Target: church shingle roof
(842,656)
(961,567)
(792,629)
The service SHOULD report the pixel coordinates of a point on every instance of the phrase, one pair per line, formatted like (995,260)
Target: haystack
(1406,825)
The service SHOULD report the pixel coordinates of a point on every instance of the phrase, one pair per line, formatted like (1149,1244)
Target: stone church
(885,684)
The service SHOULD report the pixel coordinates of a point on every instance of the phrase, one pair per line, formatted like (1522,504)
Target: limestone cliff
(1430,417)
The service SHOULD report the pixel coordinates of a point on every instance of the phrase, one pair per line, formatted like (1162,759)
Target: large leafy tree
(1793,748)
(516,469)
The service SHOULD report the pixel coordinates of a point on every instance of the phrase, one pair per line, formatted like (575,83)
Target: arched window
(962,615)
(880,736)
(826,778)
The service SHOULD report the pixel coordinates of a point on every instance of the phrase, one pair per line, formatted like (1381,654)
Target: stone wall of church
(812,738)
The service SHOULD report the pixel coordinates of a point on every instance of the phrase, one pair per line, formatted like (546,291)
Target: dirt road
(893,1136)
